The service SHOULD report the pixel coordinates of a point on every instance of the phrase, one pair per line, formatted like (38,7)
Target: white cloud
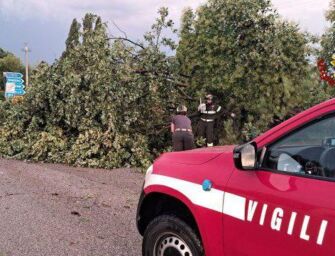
(130,11)
(26,17)
(310,14)
(134,17)
(138,15)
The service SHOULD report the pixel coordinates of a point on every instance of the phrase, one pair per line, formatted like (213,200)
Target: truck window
(309,150)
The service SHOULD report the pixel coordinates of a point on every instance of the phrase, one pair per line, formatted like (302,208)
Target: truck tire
(167,235)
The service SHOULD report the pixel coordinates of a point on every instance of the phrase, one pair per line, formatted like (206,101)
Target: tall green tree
(73,36)
(328,38)
(327,49)
(88,23)
(246,55)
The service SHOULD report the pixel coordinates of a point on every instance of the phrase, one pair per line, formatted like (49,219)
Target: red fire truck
(273,196)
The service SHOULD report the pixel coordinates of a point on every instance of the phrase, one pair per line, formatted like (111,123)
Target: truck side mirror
(245,156)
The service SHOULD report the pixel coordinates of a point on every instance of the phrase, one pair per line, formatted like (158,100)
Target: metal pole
(26,51)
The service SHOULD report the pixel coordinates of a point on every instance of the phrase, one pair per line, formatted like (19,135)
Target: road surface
(58,210)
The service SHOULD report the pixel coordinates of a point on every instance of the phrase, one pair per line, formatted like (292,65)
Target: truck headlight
(148,174)
(149,170)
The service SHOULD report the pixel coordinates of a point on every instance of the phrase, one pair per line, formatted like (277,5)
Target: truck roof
(286,124)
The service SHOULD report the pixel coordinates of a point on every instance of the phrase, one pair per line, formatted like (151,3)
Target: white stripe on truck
(212,199)
(216,200)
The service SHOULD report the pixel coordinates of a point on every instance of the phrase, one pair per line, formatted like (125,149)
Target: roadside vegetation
(107,101)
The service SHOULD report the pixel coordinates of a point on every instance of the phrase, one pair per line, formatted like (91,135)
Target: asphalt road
(59,210)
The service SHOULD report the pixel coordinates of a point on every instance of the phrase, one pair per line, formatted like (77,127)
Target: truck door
(286,206)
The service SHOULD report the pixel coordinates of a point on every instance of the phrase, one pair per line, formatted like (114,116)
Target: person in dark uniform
(208,112)
(182,136)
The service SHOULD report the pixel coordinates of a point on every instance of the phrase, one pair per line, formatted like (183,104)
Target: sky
(44,24)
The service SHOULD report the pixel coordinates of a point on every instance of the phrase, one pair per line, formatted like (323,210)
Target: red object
(257,212)
(322,66)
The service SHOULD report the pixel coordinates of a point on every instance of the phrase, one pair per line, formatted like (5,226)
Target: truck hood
(196,156)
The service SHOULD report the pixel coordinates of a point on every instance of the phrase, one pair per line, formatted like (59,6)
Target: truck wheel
(169,236)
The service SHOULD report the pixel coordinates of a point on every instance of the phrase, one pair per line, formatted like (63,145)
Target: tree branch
(184,93)
(128,40)
(118,28)
(155,73)
(180,84)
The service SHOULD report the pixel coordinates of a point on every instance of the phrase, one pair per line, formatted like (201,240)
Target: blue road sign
(17,83)
(14,84)
(13,75)
(19,92)
(15,80)
(19,86)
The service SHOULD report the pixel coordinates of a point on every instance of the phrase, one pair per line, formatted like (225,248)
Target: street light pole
(26,51)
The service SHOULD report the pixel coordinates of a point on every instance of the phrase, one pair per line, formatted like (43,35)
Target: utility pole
(26,51)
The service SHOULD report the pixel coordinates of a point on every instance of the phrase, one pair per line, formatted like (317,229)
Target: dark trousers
(182,141)
(206,130)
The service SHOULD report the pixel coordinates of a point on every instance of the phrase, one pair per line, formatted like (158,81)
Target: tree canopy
(252,60)
(328,38)
(108,100)
(102,104)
